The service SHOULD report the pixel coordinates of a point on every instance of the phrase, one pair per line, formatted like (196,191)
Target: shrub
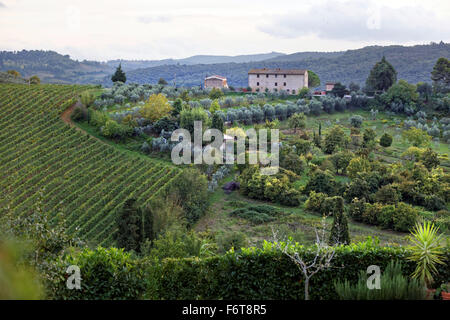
(106,274)
(315,201)
(79,113)
(356,121)
(386,140)
(112,129)
(405,217)
(356,209)
(394,285)
(387,194)
(229,240)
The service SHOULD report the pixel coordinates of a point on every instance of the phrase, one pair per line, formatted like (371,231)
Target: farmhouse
(216,81)
(289,80)
(329,86)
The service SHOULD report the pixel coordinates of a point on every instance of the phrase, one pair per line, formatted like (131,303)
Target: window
(284,84)
(257,75)
(284,76)
(276,76)
(293,91)
(276,84)
(267,75)
(257,83)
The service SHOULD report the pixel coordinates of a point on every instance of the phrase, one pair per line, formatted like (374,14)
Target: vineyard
(46,163)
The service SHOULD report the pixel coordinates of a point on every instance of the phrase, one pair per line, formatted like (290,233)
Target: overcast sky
(143,29)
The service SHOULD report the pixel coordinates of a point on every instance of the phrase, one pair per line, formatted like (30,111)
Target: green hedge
(248,274)
(268,274)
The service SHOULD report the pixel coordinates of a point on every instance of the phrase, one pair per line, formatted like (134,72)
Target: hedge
(268,274)
(249,274)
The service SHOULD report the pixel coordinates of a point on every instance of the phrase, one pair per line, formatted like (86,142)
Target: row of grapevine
(65,171)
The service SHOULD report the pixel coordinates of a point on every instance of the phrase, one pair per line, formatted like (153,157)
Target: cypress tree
(217,122)
(339,230)
(130,226)
(119,75)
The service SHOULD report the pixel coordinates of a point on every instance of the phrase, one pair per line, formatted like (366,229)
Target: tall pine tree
(381,77)
(119,75)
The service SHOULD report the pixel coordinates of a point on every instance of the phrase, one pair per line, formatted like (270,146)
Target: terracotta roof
(216,77)
(277,71)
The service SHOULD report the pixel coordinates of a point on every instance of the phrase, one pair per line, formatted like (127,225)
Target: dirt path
(65,116)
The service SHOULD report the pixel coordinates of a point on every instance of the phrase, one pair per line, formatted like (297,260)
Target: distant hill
(52,67)
(198,59)
(413,63)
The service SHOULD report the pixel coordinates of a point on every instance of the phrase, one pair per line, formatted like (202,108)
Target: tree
(356,166)
(417,137)
(402,92)
(191,190)
(189,116)
(353,87)
(356,121)
(156,107)
(339,90)
(177,106)
(339,230)
(369,136)
(341,161)
(425,90)
(303,93)
(334,139)
(87,98)
(34,80)
(217,122)
(129,224)
(214,106)
(386,140)
(297,121)
(119,75)
(441,75)
(162,82)
(313,79)
(14,73)
(381,77)
(318,258)
(430,159)
(293,162)
(215,93)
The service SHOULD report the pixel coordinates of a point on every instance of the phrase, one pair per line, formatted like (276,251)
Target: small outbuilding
(216,81)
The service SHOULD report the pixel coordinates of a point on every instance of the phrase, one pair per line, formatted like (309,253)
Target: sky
(148,30)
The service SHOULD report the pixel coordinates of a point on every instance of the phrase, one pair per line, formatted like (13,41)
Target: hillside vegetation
(413,64)
(51,166)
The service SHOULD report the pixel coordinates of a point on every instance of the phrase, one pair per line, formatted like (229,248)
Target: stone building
(216,82)
(271,80)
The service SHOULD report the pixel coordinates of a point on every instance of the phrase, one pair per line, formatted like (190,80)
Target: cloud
(152,19)
(359,21)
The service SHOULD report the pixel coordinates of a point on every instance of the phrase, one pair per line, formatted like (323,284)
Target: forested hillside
(52,67)
(413,64)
